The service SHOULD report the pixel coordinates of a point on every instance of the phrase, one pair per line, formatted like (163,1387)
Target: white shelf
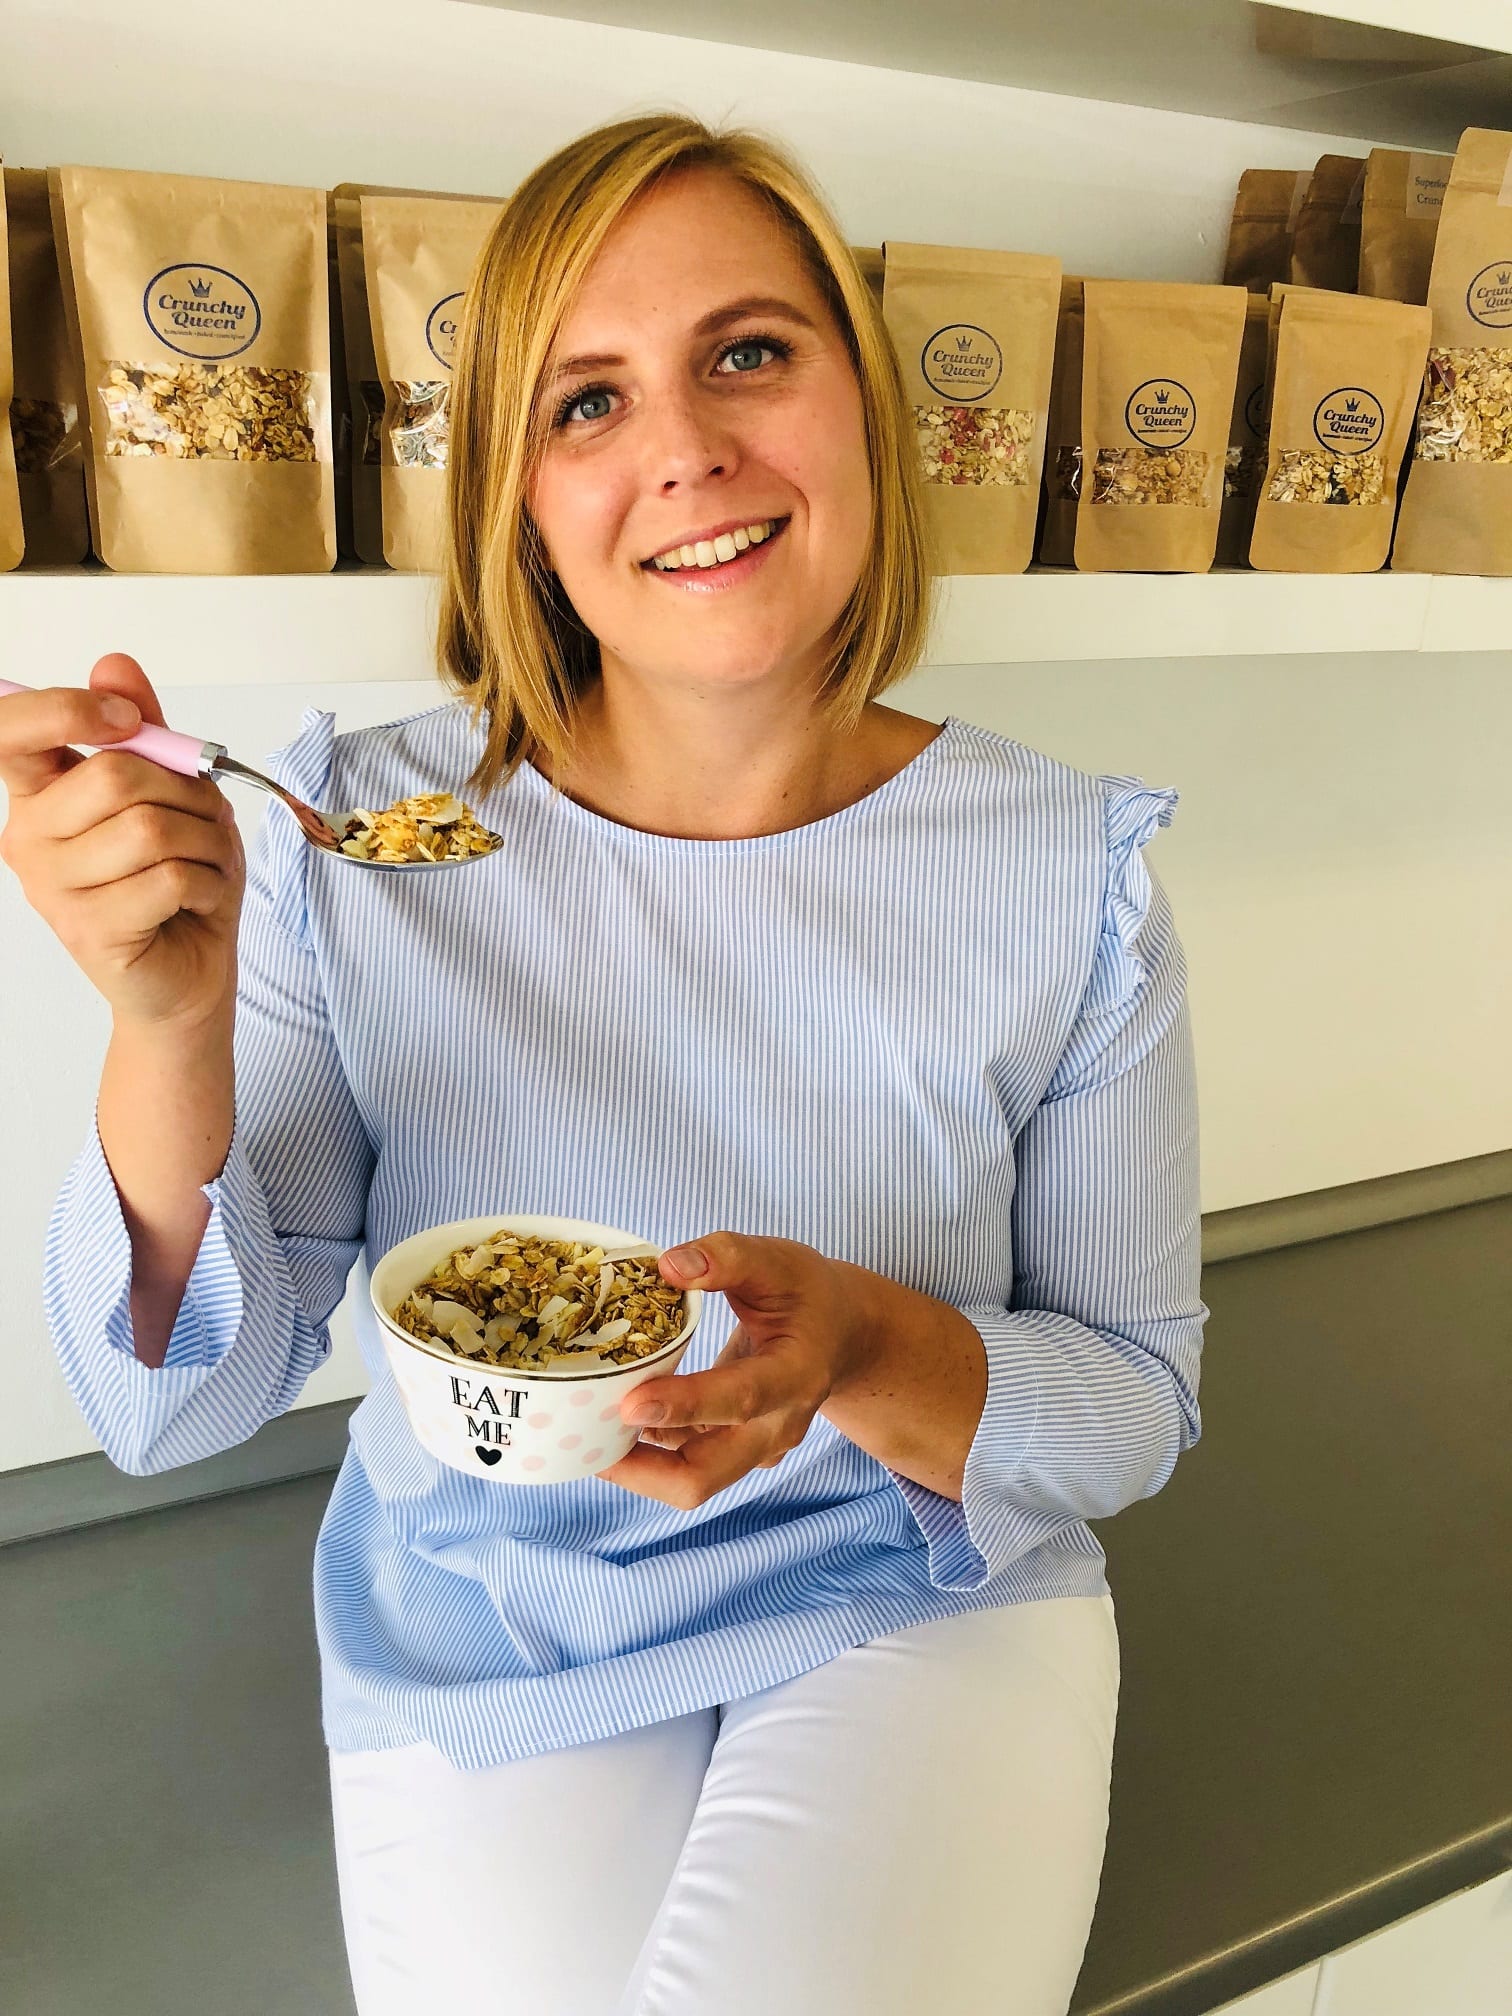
(369,625)
(1394,71)
(219,629)
(1055,616)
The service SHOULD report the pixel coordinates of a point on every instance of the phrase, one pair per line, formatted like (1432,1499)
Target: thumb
(118,673)
(686,1264)
(753,1273)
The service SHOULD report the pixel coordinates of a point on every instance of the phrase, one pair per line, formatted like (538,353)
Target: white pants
(916,1826)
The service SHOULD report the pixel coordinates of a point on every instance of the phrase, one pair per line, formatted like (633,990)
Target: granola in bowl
(538,1304)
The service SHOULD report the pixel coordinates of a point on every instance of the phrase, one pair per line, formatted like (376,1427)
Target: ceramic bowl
(543,1426)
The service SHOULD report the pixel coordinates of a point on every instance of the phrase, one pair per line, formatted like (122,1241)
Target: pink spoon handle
(163,746)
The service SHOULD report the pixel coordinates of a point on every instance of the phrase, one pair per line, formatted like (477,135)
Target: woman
(807,1705)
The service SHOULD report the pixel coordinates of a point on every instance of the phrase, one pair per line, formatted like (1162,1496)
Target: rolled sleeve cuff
(210,1314)
(971,1540)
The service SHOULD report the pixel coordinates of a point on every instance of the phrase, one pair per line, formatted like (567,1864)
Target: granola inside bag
(975,335)
(11,541)
(1343,392)
(44,414)
(197,310)
(418,254)
(1326,242)
(1158,378)
(1244,458)
(1456,515)
(364,385)
(1399,218)
(1260,230)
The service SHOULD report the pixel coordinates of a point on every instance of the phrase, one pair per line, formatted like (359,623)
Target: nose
(689,445)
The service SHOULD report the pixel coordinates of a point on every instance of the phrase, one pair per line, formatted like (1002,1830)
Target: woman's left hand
(802,1325)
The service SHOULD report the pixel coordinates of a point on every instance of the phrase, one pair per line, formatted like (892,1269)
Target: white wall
(1334,863)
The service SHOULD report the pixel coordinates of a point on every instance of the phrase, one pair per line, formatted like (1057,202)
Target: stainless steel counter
(1313,1736)
(1316,1618)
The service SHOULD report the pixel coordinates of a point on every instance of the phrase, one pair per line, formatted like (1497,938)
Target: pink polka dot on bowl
(569,1442)
(534,1463)
(593,1455)
(540,1420)
(611,1412)
(581,1397)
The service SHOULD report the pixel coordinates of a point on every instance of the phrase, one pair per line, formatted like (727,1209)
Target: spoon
(181,753)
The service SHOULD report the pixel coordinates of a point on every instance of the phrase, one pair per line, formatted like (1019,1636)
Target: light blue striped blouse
(942,1034)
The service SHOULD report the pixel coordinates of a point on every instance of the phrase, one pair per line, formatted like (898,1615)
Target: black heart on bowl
(488,1456)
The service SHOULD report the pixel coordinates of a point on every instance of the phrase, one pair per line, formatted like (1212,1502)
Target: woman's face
(704,392)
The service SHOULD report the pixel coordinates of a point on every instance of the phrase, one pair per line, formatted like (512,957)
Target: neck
(702,764)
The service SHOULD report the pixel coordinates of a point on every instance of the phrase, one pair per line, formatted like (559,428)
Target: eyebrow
(706,325)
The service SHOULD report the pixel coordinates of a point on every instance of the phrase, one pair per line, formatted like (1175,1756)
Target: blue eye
(745,356)
(595,396)
(747,353)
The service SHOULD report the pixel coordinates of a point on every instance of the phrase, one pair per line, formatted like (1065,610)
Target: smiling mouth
(708,555)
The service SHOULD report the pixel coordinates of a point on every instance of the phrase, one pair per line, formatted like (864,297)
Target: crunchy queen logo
(961,362)
(1489,295)
(1161,413)
(202,311)
(1349,421)
(441,329)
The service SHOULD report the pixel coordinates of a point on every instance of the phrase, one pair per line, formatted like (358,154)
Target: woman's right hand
(138,871)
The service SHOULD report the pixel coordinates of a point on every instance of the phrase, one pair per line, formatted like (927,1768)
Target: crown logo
(1161,398)
(199,289)
(963,342)
(1351,405)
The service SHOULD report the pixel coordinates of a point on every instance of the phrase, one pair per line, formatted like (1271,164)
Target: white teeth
(713,552)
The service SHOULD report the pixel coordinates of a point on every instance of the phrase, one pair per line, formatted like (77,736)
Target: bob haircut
(509,640)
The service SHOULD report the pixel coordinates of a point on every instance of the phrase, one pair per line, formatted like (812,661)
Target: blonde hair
(508,638)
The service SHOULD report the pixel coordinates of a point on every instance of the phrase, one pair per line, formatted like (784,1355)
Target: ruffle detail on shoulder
(1134,813)
(302,766)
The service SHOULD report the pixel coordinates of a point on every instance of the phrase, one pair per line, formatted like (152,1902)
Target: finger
(643,1472)
(705,1464)
(667,1438)
(141,837)
(107,784)
(118,673)
(750,1378)
(723,1396)
(140,903)
(36,729)
(754,1273)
